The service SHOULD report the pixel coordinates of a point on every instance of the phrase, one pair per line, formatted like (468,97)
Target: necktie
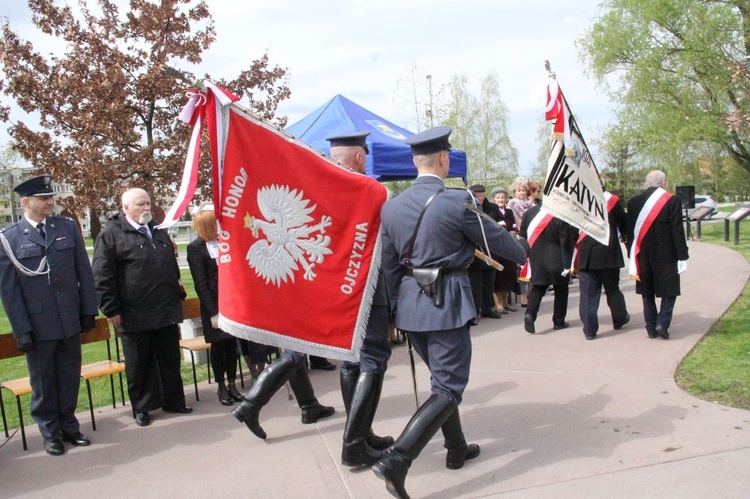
(40,228)
(143,230)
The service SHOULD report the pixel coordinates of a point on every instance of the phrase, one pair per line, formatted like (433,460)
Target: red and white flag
(299,242)
(572,191)
(299,236)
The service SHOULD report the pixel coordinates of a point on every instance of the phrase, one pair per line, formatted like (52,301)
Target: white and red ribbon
(535,229)
(557,110)
(194,114)
(643,223)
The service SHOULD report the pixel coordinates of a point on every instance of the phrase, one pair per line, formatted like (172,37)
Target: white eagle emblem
(288,240)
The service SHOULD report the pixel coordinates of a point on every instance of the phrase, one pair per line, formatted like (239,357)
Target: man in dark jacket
(139,290)
(657,248)
(552,242)
(600,265)
(48,293)
(481,275)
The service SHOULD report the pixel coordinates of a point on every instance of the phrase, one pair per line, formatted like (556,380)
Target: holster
(430,281)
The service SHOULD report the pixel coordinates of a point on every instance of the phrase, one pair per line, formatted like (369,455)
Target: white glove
(681,266)
(215,321)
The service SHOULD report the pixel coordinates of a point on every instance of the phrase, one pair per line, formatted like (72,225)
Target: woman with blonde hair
(202,254)
(520,204)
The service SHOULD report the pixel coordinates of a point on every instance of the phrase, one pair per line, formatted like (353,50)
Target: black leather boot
(312,411)
(423,425)
(458,450)
(268,383)
(348,386)
(357,450)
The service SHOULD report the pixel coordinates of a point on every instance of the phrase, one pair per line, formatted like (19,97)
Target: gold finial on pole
(548,67)
(179,75)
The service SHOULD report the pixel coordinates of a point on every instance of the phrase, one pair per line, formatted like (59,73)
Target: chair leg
(122,390)
(2,409)
(239,368)
(112,389)
(20,420)
(91,404)
(195,376)
(208,365)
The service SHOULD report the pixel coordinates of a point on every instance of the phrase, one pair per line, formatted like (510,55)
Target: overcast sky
(366,51)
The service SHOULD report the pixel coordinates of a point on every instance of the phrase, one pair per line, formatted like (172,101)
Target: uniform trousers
(662,317)
(152,366)
(590,284)
(560,307)
(55,376)
(447,354)
(375,351)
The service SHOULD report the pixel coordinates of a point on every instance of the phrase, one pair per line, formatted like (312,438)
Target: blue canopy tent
(389,158)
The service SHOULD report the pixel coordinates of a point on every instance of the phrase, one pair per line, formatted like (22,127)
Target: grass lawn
(718,367)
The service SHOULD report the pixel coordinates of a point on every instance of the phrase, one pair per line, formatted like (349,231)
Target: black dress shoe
(492,314)
(315,412)
(457,456)
(590,336)
(528,324)
(392,468)
(323,366)
(662,332)
(142,419)
(181,410)
(627,319)
(234,394)
(562,325)
(77,439)
(54,447)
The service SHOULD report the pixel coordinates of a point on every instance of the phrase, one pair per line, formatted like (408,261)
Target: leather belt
(447,272)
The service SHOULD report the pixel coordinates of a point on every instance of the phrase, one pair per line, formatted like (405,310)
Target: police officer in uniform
(47,289)
(439,332)
(362,383)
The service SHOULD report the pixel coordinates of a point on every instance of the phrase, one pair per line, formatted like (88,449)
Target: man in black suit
(49,297)
(600,265)
(552,241)
(139,290)
(657,249)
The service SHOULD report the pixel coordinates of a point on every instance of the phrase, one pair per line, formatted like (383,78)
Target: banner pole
(413,369)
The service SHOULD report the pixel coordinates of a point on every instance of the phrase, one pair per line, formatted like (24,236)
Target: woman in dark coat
(201,256)
(505,281)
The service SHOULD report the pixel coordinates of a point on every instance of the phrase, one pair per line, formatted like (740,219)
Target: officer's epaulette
(457,188)
(61,217)
(8,226)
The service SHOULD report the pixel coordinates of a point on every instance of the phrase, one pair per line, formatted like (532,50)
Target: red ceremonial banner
(299,241)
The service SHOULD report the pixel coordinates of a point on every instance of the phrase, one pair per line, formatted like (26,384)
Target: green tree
(106,110)
(543,135)
(671,65)
(481,127)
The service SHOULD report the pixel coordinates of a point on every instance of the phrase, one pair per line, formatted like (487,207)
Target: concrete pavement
(556,416)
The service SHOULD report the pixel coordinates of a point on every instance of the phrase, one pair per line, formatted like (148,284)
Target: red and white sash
(646,218)
(536,227)
(612,200)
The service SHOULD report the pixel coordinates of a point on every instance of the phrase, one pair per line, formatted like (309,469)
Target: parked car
(704,200)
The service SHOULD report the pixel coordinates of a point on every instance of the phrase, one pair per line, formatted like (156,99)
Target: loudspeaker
(686,193)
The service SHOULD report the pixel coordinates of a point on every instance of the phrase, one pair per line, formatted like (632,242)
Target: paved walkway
(556,416)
